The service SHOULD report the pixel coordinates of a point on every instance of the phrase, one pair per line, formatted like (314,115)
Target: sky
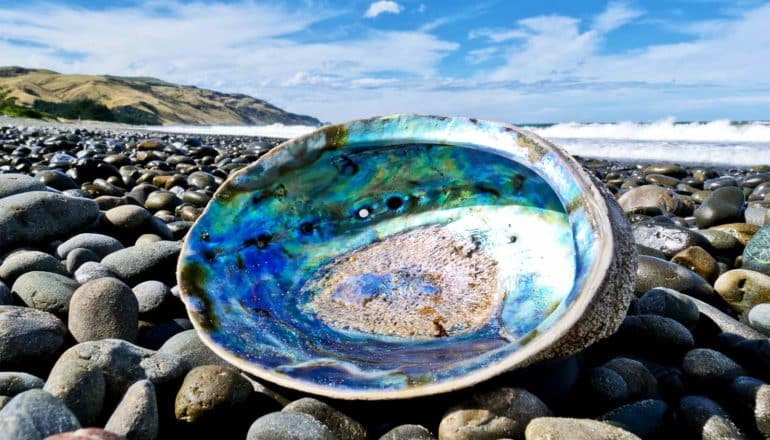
(507,60)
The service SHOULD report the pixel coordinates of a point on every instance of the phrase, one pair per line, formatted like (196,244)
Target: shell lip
(446,129)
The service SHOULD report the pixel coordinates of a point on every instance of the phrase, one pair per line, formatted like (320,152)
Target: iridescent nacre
(405,255)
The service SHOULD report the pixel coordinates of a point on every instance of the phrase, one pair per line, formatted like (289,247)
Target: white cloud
(382,7)
(616,15)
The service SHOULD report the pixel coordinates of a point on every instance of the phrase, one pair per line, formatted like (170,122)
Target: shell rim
(597,213)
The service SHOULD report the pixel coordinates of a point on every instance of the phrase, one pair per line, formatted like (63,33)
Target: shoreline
(88,291)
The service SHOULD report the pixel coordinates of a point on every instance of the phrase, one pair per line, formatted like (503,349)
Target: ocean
(719,142)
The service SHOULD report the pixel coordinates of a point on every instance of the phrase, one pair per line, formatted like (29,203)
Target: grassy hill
(133,100)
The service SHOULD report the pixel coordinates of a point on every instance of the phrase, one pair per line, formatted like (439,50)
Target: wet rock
(650,199)
(653,272)
(669,239)
(756,255)
(699,261)
(103,308)
(741,231)
(743,289)
(723,205)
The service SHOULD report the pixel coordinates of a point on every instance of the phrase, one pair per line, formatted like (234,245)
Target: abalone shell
(405,255)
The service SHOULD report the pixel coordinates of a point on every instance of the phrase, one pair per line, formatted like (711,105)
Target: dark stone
(724,205)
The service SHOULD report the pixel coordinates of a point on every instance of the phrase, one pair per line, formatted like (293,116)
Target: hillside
(138,100)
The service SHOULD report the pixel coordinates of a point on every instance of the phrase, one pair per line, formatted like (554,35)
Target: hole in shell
(363,213)
(306,228)
(394,202)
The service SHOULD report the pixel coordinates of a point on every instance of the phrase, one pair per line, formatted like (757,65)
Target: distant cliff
(133,100)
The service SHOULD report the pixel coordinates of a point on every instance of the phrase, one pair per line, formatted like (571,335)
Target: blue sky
(508,60)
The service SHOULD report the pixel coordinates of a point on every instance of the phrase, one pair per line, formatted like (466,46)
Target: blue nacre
(394,257)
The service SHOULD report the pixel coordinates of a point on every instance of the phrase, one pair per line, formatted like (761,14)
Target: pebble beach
(95,342)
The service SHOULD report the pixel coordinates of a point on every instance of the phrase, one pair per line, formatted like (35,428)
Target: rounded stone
(38,217)
(705,365)
(100,244)
(6,298)
(408,432)
(741,231)
(11,184)
(743,289)
(210,390)
(92,270)
(288,426)
(28,338)
(669,303)
(77,257)
(20,262)
(726,323)
(653,335)
(35,414)
(56,179)
(124,363)
(645,418)
(127,217)
(669,239)
(338,423)
(759,318)
(188,345)
(154,298)
(650,198)
(45,291)
(653,272)
(86,434)
(145,262)
(13,383)
(722,242)
(723,205)
(103,308)
(699,261)
(756,254)
(136,416)
(640,383)
(754,395)
(504,412)
(602,388)
(158,200)
(80,386)
(550,428)
(704,418)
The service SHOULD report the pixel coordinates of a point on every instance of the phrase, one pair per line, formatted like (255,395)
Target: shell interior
(388,255)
